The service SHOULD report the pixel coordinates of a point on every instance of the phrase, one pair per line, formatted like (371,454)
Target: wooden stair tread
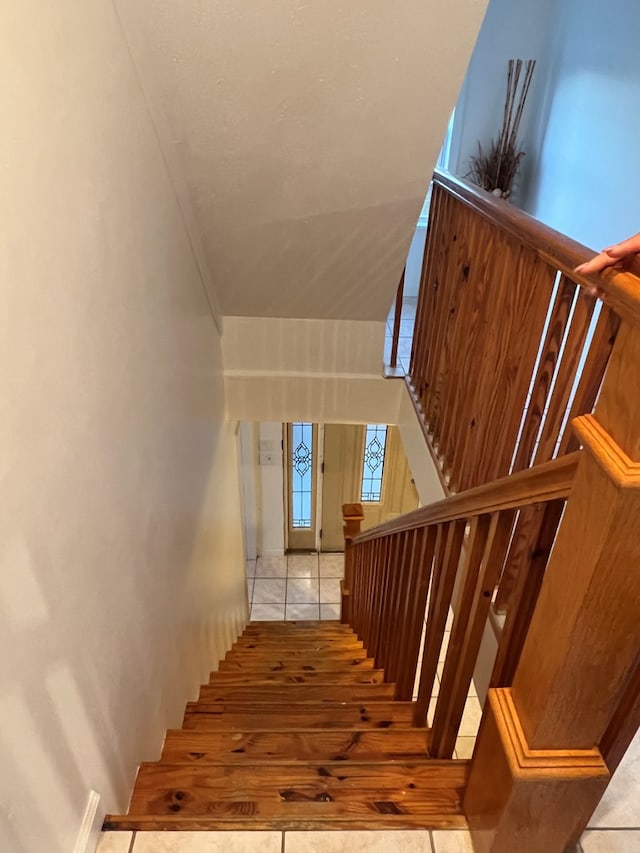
(290,693)
(266,677)
(312,715)
(322,644)
(285,663)
(310,744)
(289,791)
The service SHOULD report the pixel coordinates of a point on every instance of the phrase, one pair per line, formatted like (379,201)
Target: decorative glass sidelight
(301,475)
(375,443)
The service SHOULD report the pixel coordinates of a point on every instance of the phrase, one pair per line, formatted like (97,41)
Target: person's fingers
(627,247)
(596,264)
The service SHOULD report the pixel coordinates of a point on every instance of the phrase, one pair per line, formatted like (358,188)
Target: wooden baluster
(386,610)
(397,317)
(415,613)
(535,753)
(383,599)
(488,541)
(523,546)
(398,569)
(444,577)
(353,516)
(565,377)
(604,338)
(544,374)
(406,590)
(525,591)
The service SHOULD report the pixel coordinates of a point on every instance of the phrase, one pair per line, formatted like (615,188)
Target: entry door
(342,466)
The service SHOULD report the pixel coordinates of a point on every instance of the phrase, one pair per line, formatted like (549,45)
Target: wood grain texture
(233,716)
(302,745)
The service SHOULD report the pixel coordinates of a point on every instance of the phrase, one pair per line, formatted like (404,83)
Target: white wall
(414,262)
(121,577)
(509,31)
(272,541)
(248,434)
(325,371)
(587,180)
(423,469)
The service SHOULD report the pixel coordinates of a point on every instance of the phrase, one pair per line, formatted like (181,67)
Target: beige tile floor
(297,586)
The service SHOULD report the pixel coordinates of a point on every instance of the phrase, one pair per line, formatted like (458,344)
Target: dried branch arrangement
(495,169)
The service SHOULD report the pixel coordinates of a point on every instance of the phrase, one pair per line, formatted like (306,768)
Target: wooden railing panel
(442,284)
(449,293)
(424,314)
(517,306)
(471,336)
(482,307)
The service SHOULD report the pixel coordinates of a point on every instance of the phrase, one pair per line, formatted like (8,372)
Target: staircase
(296,730)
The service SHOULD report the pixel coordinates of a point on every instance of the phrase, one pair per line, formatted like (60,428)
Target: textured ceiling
(301,136)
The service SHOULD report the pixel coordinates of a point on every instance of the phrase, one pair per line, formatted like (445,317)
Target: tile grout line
(133,841)
(282,843)
(432,842)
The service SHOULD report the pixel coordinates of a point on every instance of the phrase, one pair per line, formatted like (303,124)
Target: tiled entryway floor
(297,586)
(397,841)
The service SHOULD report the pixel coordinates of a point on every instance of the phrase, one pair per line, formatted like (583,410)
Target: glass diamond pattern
(301,475)
(375,444)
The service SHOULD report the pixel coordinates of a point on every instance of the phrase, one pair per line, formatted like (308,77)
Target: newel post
(537,772)
(353,516)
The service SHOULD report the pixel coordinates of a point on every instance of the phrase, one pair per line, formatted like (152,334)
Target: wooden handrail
(620,289)
(546,482)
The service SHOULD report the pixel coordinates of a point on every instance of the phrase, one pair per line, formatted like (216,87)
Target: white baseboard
(89,832)
(273,552)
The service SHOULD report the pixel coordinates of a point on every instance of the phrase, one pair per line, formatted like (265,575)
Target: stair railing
(396,567)
(515,363)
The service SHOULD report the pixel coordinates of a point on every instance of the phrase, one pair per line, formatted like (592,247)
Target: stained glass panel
(301,475)
(375,443)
